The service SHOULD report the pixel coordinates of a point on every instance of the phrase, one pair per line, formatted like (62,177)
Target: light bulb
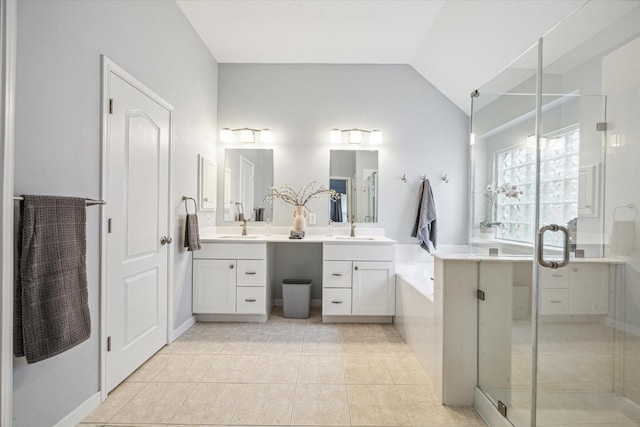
(355,136)
(335,136)
(246,135)
(266,135)
(226,135)
(376,137)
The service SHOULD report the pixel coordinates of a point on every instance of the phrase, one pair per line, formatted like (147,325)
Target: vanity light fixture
(355,136)
(247,135)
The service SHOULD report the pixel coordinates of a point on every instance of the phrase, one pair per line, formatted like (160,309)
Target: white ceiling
(457,45)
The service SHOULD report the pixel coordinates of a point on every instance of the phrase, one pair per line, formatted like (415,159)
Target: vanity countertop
(235,238)
(518,258)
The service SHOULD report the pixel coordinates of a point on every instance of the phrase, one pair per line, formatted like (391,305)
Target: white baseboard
(81,412)
(357,319)
(622,326)
(175,334)
(233,317)
(314,303)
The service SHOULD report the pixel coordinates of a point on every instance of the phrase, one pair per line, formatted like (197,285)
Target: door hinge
(502,408)
(480,295)
(111,106)
(601,126)
(109,225)
(108,343)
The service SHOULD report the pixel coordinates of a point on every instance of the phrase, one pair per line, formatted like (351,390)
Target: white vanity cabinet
(231,278)
(580,288)
(358,280)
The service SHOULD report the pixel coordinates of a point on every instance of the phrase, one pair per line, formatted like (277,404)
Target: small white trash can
(296,298)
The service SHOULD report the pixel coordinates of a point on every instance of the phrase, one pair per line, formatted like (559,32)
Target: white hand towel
(623,237)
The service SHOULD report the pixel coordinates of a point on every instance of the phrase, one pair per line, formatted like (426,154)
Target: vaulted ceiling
(457,45)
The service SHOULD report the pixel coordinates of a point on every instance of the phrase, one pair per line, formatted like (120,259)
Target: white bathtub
(417,275)
(417,317)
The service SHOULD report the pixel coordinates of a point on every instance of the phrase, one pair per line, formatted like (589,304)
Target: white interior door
(137,190)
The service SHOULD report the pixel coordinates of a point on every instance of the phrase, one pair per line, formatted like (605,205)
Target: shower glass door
(502,223)
(587,366)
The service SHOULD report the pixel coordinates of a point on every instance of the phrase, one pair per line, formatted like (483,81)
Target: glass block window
(559,164)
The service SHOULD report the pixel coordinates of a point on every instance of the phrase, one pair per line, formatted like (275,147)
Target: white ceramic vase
(299,219)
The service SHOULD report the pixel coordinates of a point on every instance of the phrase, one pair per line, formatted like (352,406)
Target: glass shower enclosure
(555,149)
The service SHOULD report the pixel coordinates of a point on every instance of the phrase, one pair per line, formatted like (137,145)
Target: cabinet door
(374,291)
(589,289)
(214,286)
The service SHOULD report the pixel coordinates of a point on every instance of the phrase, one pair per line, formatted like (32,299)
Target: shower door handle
(565,250)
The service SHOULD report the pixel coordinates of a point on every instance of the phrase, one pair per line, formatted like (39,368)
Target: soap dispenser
(330,228)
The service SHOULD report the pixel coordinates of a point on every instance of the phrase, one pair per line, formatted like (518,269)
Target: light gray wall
(423,133)
(58,146)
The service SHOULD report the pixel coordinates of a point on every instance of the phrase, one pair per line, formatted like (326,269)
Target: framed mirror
(207,184)
(248,174)
(354,175)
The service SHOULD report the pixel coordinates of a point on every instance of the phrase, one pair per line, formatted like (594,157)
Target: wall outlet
(209,219)
(312,219)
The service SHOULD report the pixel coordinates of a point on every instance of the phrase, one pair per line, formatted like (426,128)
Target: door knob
(164,240)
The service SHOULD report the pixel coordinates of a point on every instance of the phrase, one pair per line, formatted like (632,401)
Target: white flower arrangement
(301,197)
(508,190)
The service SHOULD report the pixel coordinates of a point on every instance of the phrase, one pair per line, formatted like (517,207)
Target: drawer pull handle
(231,266)
(556,301)
(250,273)
(250,300)
(430,278)
(356,268)
(557,275)
(336,302)
(337,274)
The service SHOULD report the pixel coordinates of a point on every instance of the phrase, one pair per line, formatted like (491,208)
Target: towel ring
(629,206)
(186,204)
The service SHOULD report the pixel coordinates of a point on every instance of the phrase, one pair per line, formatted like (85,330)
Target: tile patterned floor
(283,372)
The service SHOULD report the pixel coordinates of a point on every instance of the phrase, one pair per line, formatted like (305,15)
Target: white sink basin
(355,238)
(238,237)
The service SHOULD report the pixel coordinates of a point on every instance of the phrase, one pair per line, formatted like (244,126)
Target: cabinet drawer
(336,274)
(360,252)
(232,251)
(251,272)
(558,278)
(336,301)
(554,301)
(250,300)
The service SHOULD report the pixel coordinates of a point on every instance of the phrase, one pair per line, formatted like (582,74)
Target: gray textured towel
(426,227)
(51,299)
(192,233)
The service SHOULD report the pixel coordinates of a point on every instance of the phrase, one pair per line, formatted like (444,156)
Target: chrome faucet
(242,218)
(243,225)
(353,229)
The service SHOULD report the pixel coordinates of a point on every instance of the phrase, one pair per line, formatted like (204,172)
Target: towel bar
(186,199)
(89,202)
